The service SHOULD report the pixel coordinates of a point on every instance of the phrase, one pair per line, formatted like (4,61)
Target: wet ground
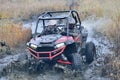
(90,72)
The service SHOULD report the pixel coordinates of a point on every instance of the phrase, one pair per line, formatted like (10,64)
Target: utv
(60,38)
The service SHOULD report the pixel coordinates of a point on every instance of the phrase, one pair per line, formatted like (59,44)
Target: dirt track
(90,72)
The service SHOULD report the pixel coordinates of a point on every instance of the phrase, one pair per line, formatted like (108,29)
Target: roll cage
(58,15)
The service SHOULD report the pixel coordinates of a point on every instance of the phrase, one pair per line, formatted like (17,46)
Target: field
(12,32)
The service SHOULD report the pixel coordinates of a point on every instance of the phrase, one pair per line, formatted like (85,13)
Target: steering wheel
(59,29)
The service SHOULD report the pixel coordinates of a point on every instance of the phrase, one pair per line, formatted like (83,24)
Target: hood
(46,39)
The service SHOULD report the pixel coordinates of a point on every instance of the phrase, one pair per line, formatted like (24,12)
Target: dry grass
(24,9)
(14,34)
(27,8)
(100,8)
(89,7)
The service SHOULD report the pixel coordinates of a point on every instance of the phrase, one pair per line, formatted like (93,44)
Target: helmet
(52,26)
(71,20)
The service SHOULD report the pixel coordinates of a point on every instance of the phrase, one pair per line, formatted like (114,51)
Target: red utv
(60,38)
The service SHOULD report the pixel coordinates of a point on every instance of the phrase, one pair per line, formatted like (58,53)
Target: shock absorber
(64,57)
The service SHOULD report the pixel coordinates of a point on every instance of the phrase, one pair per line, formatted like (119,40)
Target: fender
(66,39)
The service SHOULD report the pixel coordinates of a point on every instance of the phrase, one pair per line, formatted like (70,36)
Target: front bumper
(46,54)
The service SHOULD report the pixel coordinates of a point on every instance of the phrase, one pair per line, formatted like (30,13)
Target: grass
(24,9)
(13,34)
(89,7)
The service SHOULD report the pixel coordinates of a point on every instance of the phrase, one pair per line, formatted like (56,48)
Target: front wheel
(76,61)
(90,52)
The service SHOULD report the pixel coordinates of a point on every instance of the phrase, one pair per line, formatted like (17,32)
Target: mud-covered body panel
(45,39)
(51,40)
(65,39)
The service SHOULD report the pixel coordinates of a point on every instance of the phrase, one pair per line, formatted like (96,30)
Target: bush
(90,7)
(14,34)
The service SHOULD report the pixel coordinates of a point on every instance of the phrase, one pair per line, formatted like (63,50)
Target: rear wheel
(90,52)
(76,61)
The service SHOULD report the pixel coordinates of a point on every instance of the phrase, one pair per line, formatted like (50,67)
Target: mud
(15,67)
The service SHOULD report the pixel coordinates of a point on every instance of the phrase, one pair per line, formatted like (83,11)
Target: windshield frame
(43,22)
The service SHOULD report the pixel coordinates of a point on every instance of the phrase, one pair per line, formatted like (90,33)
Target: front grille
(45,49)
(46,43)
(44,55)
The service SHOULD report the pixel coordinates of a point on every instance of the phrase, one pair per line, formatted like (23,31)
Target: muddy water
(91,72)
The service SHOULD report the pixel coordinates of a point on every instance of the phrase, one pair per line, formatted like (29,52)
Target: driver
(51,28)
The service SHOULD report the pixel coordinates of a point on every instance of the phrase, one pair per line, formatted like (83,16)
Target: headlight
(28,44)
(33,46)
(60,45)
